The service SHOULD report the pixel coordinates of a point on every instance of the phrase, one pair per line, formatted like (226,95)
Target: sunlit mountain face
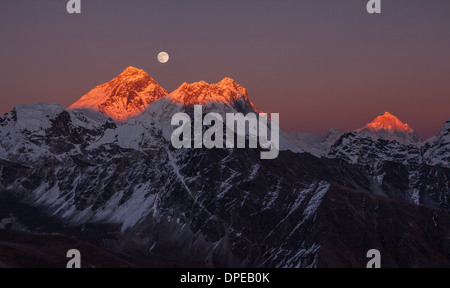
(133,91)
(124,97)
(389,122)
(226,91)
(388,126)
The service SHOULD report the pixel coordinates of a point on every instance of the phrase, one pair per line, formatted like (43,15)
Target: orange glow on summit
(201,93)
(124,97)
(133,91)
(389,122)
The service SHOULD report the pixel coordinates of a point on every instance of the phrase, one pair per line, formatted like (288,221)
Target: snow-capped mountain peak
(124,97)
(387,121)
(227,91)
(223,97)
(389,127)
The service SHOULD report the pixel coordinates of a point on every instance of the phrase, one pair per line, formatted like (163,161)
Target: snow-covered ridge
(359,148)
(28,130)
(314,144)
(35,118)
(437,152)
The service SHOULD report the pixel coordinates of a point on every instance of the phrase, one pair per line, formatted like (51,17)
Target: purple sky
(320,64)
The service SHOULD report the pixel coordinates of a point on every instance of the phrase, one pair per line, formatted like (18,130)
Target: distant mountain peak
(388,122)
(124,97)
(389,127)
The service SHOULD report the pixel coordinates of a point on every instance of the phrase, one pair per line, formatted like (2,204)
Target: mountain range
(103,172)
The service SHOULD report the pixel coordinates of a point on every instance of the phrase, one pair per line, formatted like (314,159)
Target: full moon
(163,57)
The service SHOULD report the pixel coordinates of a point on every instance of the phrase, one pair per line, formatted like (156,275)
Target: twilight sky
(320,64)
